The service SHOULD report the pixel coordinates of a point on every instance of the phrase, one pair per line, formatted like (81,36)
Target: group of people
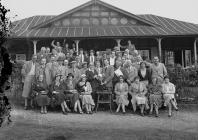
(71,80)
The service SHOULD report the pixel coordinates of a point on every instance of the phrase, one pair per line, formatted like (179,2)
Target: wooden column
(118,43)
(34,43)
(182,58)
(77,46)
(159,40)
(195,51)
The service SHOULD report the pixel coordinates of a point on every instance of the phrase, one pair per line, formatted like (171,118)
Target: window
(145,54)
(169,58)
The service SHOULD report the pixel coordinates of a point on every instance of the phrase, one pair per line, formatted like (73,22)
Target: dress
(155,94)
(70,92)
(58,93)
(121,91)
(42,97)
(169,93)
(138,92)
(86,90)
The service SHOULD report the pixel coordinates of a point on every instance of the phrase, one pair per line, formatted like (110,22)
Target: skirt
(27,86)
(72,97)
(141,100)
(59,98)
(42,100)
(87,99)
(168,98)
(155,100)
(122,99)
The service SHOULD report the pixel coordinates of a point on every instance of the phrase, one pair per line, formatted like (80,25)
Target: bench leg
(97,103)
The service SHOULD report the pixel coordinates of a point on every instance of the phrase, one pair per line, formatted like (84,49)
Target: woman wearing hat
(41,92)
(72,93)
(58,94)
(85,90)
(138,91)
(155,96)
(168,90)
(121,91)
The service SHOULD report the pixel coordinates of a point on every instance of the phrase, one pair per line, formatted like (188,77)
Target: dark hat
(70,75)
(60,59)
(165,77)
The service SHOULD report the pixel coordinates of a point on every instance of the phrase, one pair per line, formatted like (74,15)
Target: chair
(104,97)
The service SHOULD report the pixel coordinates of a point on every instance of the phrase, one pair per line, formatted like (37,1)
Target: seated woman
(41,92)
(155,96)
(58,94)
(121,91)
(168,90)
(138,91)
(72,93)
(85,90)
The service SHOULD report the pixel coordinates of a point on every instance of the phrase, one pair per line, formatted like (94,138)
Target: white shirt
(32,71)
(92,59)
(112,61)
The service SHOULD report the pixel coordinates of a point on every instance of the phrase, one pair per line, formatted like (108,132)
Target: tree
(4,55)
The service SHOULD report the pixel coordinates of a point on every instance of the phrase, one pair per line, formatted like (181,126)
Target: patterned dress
(155,94)
(86,90)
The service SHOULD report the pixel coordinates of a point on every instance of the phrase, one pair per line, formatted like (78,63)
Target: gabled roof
(34,27)
(95,2)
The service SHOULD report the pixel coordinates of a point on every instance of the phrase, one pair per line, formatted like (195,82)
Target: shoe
(45,112)
(124,112)
(42,112)
(81,112)
(64,112)
(26,108)
(176,109)
(90,112)
(156,115)
(142,114)
(169,115)
(68,110)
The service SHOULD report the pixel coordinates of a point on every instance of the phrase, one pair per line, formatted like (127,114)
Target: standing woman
(85,90)
(168,90)
(155,96)
(121,91)
(41,92)
(144,73)
(58,94)
(72,93)
(138,91)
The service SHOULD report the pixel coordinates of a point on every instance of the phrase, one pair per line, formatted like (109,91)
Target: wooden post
(159,40)
(77,46)
(195,51)
(182,58)
(35,42)
(118,43)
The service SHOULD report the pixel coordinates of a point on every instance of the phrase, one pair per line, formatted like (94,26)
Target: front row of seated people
(81,93)
(155,95)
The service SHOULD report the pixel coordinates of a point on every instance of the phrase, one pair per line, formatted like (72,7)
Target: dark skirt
(72,97)
(42,100)
(59,98)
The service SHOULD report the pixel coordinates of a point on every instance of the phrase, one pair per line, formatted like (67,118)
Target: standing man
(75,71)
(112,58)
(28,71)
(92,57)
(108,74)
(81,55)
(158,70)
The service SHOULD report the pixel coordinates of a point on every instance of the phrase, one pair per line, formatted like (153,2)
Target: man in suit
(75,71)
(81,56)
(28,71)
(108,73)
(92,58)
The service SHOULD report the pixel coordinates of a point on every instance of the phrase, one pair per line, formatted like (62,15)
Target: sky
(184,10)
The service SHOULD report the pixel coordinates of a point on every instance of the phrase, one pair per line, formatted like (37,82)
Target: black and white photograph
(99,70)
